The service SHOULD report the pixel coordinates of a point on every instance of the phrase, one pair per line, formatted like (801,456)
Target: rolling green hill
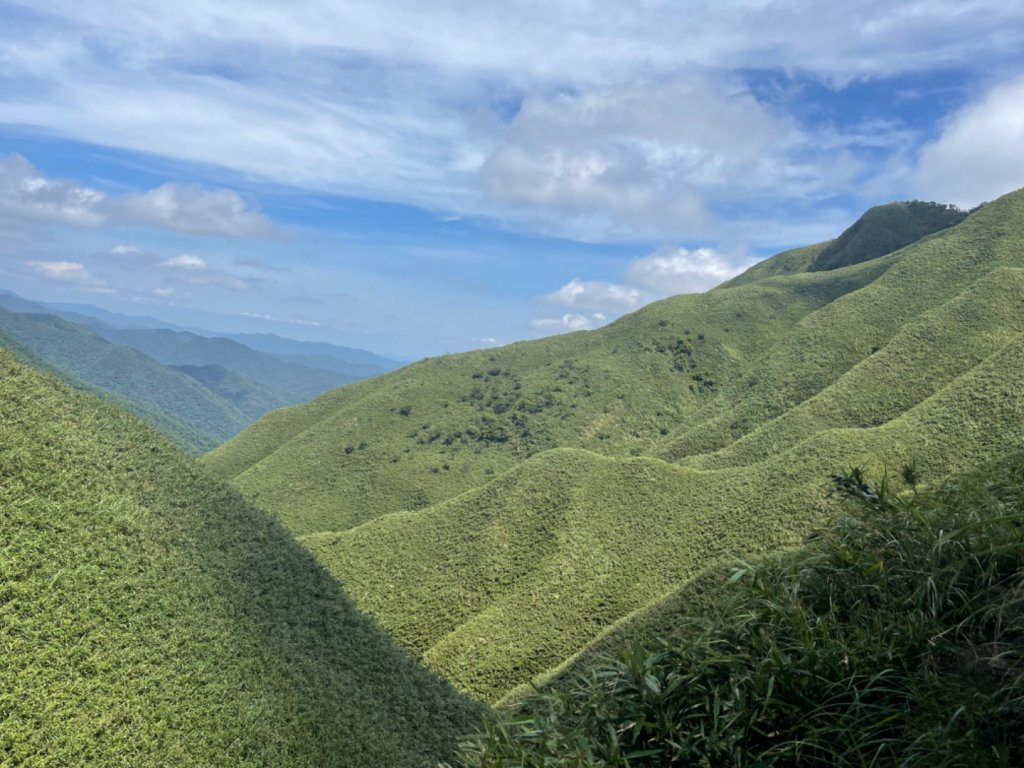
(884,229)
(889,638)
(185,410)
(500,511)
(151,617)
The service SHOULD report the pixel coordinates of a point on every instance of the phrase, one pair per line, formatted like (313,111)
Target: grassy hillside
(446,425)
(151,617)
(500,511)
(187,411)
(892,639)
(884,229)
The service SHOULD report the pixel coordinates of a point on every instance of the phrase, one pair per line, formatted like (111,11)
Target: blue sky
(423,177)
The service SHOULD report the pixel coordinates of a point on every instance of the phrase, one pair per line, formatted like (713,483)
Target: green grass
(149,616)
(502,512)
(894,638)
(884,229)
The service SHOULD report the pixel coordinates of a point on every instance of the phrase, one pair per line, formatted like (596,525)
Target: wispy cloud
(432,104)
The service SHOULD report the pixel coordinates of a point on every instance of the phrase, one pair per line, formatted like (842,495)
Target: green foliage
(895,638)
(149,616)
(543,499)
(884,229)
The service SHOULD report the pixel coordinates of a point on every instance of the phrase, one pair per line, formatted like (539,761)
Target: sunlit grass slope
(501,584)
(500,511)
(151,617)
(891,638)
(434,429)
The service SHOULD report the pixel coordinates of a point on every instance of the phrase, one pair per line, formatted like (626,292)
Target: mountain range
(366,578)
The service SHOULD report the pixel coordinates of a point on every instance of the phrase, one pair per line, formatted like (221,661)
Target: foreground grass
(151,617)
(895,638)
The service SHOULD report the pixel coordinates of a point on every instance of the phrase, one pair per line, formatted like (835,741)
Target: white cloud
(567,322)
(193,209)
(666,272)
(186,261)
(125,250)
(401,100)
(26,193)
(980,153)
(163,292)
(669,271)
(71,272)
(596,294)
(645,156)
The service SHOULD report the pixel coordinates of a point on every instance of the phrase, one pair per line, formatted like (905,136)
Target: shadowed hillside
(524,501)
(151,617)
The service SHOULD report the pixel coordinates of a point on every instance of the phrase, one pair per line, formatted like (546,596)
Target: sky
(417,177)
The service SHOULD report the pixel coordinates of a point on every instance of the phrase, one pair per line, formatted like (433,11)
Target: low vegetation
(149,616)
(503,512)
(896,637)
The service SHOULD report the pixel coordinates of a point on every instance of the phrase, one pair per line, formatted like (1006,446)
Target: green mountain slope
(250,397)
(445,425)
(499,511)
(190,413)
(874,644)
(150,617)
(884,229)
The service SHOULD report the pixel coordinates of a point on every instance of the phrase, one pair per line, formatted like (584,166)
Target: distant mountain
(84,312)
(498,511)
(250,397)
(188,412)
(292,382)
(151,617)
(357,363)
(277,345)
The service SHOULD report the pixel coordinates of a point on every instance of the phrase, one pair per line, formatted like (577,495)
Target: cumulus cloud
(642,154)
(669,270)
(980,152)
(71,272)
(26,193)
(193,209)
(567,322)
(596,294)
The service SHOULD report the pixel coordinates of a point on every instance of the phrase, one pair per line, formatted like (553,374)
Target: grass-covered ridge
(893,638)
(149,616)
(500,512)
